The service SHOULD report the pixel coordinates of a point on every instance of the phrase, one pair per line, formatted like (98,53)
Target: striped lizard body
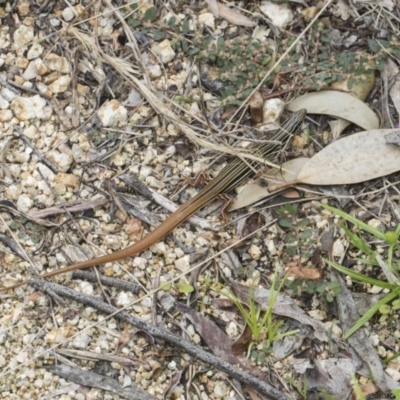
(230,177)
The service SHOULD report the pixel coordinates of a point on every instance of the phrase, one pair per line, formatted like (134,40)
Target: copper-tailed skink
(230,177)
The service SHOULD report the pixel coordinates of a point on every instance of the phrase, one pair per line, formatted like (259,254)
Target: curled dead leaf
(242,343)
(338,104)
(234,17)
(156,368)
(353,159)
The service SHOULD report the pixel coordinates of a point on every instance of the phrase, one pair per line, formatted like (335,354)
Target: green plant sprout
(394,294)
(262,326)
(301,388)
(359,395)
(396,393)
(361,244)
(391,237)
(390,359)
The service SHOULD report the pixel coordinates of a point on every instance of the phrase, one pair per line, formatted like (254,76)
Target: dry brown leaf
(231,15)
(291,194)
(258,190)
(251,224)
(339,104)
(360,89)
(353,159)
(356,158)
(250,194)
(367,389)
(305,273)
(310,13)
(216,339)
(242,343)
(289,170)
(124,339)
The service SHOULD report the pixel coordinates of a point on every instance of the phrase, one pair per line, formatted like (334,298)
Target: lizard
(231,176)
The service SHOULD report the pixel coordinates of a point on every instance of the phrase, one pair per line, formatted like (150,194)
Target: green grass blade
(371,312)
(360,277)
(396,393)
(358,241)
(362,225)
(367,261)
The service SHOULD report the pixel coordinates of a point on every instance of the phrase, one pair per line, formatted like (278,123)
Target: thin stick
(188,347)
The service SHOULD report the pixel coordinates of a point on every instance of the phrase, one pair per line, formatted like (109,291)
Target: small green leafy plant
(99,137)
(240,62)
(181,286)
(320,286)
(301,388)
(391,239)
(357,389)
(298,238)
(27,229)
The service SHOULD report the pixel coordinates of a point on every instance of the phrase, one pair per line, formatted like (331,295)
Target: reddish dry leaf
(306,273)
(134,228)
(291,194)
(34,296)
